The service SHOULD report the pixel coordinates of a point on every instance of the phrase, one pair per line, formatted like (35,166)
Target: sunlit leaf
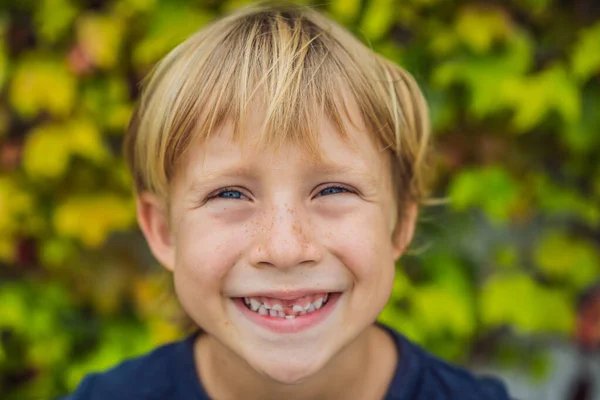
(532,98)
(42,84)
(164,35)
(480,27)
(103,214)
(486,76)
(491,188)
(585,59)
(439,310)
(516,300)
(345,10)
(564,258)
(100,37)
(53,18)
(378,18)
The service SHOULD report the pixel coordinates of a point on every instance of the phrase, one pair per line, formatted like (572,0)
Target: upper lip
(289,294)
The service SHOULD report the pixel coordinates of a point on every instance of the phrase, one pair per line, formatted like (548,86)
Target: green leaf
(514,299)
(54,18)
(585,57)
(557,200)
(532,98)
(378,18)
(164,34)
(345,10)
(561,257)
(490,188)
(486,75)
(437,310)
(480,27)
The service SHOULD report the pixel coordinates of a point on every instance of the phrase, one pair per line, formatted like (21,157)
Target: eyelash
(231,189)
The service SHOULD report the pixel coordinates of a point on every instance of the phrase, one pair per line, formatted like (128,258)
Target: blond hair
(296,64)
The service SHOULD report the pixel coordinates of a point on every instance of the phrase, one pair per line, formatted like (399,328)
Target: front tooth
(262,310)
(273,313)
(277,307)
(246,301)
(318,303)
(290,316)
(254,304)
(297,308)
(311,307)
(281,314)
(326,298)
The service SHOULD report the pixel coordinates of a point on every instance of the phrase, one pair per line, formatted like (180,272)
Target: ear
(153,217)
(405,229)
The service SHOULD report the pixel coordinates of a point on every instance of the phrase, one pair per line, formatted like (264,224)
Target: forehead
(354,152)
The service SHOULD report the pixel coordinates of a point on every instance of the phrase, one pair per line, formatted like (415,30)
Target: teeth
(297,308)
(254,305)
(319,303)
(276,310)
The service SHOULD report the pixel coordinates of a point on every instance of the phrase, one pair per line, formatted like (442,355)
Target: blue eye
(334,190)
(227,193)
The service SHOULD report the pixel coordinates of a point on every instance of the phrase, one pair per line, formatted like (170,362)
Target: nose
(285,239)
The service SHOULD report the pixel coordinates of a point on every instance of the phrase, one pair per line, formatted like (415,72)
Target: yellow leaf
(345,10)
(85,140)
(7,248)
(42,84)
(92,219)
(48,148)
(53,18)
(46,152)
(100,37)
(15,203)
(164,35)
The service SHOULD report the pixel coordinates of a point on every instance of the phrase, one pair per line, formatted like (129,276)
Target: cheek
(207,249)
(364,245)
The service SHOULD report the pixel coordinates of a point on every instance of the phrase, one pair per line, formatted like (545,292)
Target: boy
(278,165)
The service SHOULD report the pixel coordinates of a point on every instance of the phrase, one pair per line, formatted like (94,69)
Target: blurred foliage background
(514,90)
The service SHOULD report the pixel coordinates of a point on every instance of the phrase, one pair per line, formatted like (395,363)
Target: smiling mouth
(288,309)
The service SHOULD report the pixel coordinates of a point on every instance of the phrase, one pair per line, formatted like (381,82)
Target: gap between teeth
(277,310)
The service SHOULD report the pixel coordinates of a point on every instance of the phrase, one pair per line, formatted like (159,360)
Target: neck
(355,372)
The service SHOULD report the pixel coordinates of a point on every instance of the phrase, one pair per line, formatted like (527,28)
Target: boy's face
(280,234)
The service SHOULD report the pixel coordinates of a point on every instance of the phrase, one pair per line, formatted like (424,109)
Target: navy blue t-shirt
(169,372)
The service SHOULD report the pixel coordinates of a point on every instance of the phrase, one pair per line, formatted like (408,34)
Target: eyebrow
(250,173)
(230,172)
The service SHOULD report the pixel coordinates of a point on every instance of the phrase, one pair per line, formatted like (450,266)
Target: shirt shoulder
(164,373)
(421,375)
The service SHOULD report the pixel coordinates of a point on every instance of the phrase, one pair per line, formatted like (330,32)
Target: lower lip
(284,325)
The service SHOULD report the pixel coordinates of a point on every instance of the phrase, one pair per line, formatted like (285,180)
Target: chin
(289,370)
